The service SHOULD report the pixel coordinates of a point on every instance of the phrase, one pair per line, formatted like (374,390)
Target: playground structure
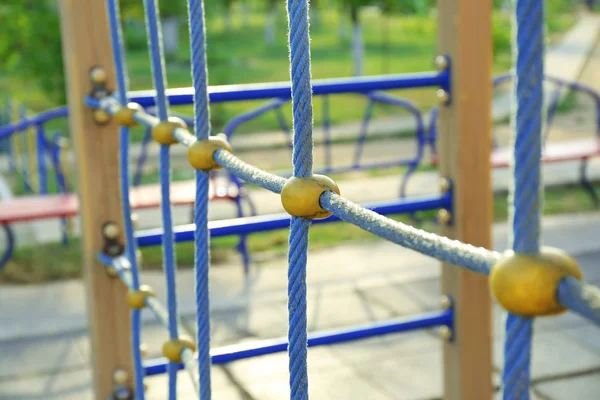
(549,278)
(51,154)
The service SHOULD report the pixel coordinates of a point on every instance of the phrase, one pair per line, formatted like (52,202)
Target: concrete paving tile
(75,385)
(587,335)
(42,355)
(393,346)
(267,378)
(418,376)
(400,299)
(586,387)
(341,309)
(553,353)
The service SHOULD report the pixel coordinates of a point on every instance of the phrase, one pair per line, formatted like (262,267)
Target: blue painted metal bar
(239,226)
(41,159)
(243,351)
(38,119)
(228,93)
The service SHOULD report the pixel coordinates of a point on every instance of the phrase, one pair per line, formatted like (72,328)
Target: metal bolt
(98,75)
(120,376)
(445,333)
(446,302)
(441,63)
(442,96)
(111,231)
(444,216)
(445,185)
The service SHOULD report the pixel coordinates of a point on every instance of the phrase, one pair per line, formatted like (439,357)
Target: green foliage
(34,49)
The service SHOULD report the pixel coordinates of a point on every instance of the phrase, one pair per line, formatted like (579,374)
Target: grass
(52,262)
(411,48)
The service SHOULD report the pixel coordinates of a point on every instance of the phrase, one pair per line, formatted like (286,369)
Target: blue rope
(201,234)
(157,58)
(526,194)
(158,73)
(582,298)
(248,172)
(476,259)
(302,159)
(130,243)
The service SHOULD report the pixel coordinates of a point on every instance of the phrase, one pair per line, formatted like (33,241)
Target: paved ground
(375,280)
(45,353)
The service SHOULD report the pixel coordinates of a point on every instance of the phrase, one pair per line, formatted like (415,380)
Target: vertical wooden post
(86,44)
(464,34)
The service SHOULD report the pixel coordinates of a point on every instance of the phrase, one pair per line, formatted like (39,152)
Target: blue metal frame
(228,354)
(262,223)
(230,93)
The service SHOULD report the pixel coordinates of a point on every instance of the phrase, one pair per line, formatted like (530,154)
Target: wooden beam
(465,142)
(86,44)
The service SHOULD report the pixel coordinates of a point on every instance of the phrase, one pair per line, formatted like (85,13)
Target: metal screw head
(441,63)
(445,333)
(445,185)
(101,116)
(98,75)
(446,302)
(444,216)
(135,220)
(442,96)
(111,231)
(120,376)
(144,350)
(111,271)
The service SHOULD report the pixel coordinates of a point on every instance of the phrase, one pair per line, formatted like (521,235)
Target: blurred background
(354,277)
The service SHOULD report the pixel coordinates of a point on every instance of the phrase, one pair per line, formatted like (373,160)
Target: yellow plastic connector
(200,154)
(124,116)
(137,298)
(163,132)
(101,116)
(527,285)
(300,196)
(173,348)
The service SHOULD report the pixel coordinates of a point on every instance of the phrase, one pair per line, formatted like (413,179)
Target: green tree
(31,46)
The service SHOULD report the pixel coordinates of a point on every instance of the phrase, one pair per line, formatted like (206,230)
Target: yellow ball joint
(163,132)
(300,196)
(200,153)
(173,348)
(124,116)
(527,285)
(137,298)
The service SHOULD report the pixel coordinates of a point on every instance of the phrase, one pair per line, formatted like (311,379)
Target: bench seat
(562,151)
(31,208)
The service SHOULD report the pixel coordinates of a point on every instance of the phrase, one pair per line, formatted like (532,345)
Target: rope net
(525,194)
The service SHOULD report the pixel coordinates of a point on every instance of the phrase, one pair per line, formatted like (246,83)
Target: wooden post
(86,44)
(464,34)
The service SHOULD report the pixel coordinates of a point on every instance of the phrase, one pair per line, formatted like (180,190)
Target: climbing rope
(526,189)
(302,160)
(130,247)
(206,152)
(158,74)
(201,234)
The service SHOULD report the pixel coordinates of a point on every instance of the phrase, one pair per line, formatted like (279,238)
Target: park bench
(63,205)
(580,149)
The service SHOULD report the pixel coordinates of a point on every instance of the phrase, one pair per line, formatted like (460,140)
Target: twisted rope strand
(526,194)
(201,234)
(130,244)
(476,259)
(169,262)
(302,160)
